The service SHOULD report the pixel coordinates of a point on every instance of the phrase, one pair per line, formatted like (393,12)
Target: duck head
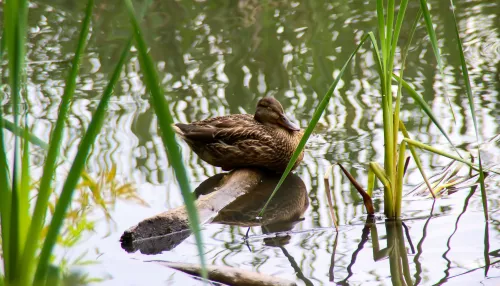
(270,112)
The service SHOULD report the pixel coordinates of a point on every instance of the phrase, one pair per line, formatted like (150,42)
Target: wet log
(229,275)
(234,198)
(214,194)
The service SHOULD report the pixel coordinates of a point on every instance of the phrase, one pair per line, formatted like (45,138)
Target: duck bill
(285,122)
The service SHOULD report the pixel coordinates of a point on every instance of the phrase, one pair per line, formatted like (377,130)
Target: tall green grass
(22,265)
(165,122)
(389,24)
(20,228)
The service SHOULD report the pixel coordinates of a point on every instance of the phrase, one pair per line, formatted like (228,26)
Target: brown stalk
(367,200)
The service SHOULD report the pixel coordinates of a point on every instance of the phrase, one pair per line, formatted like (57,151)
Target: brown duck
(264,140)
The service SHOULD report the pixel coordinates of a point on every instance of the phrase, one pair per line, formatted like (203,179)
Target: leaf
(316,116)
(465,73)
(165,122)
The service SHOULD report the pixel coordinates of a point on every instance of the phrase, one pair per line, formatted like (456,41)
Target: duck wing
(224,129)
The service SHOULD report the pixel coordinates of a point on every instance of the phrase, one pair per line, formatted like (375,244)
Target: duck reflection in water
(233,198)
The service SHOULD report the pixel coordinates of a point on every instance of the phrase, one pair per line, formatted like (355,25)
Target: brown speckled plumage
(265,140)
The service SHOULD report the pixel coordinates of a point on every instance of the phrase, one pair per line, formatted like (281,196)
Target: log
(229,275)
(233,198)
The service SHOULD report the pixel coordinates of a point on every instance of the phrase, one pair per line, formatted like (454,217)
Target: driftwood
(234,198)
(229,275)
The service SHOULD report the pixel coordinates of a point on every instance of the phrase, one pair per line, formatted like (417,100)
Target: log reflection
(234,198)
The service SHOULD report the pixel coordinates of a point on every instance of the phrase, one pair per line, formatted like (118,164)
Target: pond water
(221,57)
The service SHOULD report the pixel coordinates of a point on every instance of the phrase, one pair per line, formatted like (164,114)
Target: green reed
(17,223)
(165,122)
(21,230)
(389,23)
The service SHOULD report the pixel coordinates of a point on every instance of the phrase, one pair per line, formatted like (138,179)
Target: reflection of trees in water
(217,58)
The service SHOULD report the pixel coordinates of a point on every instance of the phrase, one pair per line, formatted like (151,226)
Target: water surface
(220,57)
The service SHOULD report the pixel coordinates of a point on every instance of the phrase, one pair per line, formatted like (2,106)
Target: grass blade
(437,151)
(381,28)
(399,179)
(379,172)
(371,182)
(435,46)
(397,30)
(417,159)
(14,225)
(15,17)
(426,108)
(56,136)
(465,73)
(378,59)
(55,144)
(316,116)
(18,131)
(389,30)
(78,167)
(165,122)
(431,32)
(5,200)
(24,204)
(403,63)
(442,153)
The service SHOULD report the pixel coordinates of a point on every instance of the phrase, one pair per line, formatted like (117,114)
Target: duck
(265,140)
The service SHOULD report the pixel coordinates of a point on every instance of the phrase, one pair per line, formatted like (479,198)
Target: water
(217,58)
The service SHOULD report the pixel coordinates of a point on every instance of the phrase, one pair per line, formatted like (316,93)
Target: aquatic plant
(391,174)
(21,264)
(165,122)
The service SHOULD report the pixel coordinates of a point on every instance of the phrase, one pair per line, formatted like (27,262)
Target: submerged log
(229,275)
(234,198)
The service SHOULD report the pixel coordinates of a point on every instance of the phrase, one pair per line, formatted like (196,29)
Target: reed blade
(20,132)
(397,30)
(465,72)
(371,182)
(426,108)
(398,196)
(380,173)
(417,159)
(403,64)
(437,151)
(78,166)
(165,122)
(5,198)
(316,116)
(24,203)
(389,29)
(435,46)
(381,29)
(14,245)
(430,31)
(54,150)
(15,18)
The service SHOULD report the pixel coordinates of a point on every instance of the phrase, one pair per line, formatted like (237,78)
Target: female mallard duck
(264,140)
